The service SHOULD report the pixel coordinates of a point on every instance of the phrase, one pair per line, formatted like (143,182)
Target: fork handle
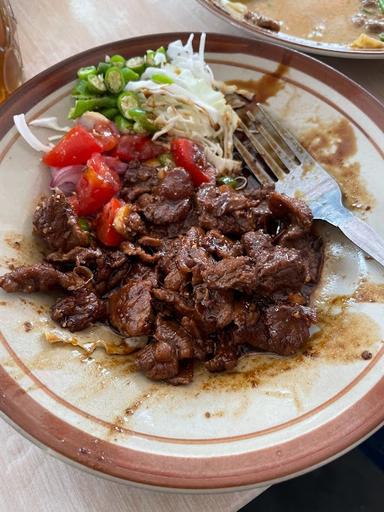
(365,237)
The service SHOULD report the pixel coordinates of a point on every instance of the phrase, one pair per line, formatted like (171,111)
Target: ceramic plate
(272,417)
(298,43)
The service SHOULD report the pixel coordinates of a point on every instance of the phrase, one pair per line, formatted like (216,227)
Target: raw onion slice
(25,132)
(66,178)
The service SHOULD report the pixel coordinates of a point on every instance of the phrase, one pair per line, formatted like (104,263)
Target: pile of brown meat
(207,273)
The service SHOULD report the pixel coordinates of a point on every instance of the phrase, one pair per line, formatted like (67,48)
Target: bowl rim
(293,42)
(253,468)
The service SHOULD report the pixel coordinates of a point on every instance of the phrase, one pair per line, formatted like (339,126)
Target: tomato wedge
(137,147)
(97,185)
(105,231)
(75,148)
(106,134)
(189,155)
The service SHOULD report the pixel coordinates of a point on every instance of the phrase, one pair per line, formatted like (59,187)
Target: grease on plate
(334,145)
(265,87)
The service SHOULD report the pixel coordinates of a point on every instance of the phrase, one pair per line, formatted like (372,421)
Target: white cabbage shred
(191,106)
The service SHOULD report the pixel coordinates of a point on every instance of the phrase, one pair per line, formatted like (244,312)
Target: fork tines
(269,141)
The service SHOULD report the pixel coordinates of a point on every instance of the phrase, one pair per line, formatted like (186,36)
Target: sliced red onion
(116,164)
(66,178)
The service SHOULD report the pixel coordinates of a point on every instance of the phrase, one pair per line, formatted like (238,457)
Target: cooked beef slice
(174,334)
(130,308)
(79,310)
(41,277)
(184,376)
(56,223)
(158,361)
(225,354)
(231,274)
(278,269)
(282,206)
(287,327)
(166,211)
(176,185)
(219,245)
(112,267)
(76,256)
(225,209)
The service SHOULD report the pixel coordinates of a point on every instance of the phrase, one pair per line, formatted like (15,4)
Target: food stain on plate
(269,85)
(334,145)
(27,250)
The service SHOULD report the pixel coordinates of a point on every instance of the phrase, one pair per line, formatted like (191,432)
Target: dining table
(48,32)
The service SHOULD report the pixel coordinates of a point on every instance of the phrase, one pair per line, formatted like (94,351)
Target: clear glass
(11,69)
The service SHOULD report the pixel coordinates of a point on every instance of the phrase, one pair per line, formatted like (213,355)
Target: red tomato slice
(75,148)
(106,134)
(189,155)
(97,185)
(105,231)
(137,147)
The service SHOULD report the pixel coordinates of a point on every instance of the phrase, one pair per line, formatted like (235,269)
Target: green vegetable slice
(123,124)
(127,101)
(114,80)
(96,84)
(142,121)
(111,113)
(129,74)
(162,78)
(166,160)
(103,67)
(137,64)
(89,104)
(84,72)
(84,224)
(81,90)
(228,180)
(118,60)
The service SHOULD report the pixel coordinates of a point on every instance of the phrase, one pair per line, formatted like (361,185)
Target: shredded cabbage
(191,106)
(51,123)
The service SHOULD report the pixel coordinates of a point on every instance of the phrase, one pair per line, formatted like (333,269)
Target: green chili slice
(166,160)
(140,117)
(127,101)
(162,78)
(150,56)
(122,124)
(96,84)
(228,180)
(90,104)
(81,89)
(84,224)
(137,64)
(114,80)
(118,60)
(111,112)
(103,67)
(84,72)
(129,74)
(381,5)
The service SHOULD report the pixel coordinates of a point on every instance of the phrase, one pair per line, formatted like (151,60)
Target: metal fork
(297,174)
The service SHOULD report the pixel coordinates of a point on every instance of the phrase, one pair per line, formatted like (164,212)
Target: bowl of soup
(348,28)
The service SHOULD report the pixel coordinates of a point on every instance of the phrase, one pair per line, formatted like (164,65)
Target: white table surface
(49,31)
